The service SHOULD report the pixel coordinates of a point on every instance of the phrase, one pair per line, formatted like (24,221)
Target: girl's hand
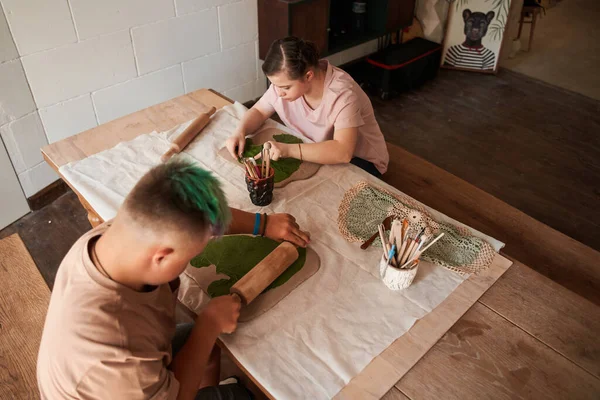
(278,150)
(235,144)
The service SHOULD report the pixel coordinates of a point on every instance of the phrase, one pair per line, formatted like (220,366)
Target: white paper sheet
(327,330)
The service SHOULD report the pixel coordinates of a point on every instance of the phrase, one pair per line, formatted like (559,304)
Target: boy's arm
(189,365)
(279,227)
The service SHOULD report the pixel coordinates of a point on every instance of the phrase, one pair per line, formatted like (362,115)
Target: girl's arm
(338,150)
(252,120)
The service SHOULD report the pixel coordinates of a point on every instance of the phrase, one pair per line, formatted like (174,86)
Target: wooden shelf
(312,20)
(337,44)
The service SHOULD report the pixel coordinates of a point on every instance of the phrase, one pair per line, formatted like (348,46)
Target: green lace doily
(364,207)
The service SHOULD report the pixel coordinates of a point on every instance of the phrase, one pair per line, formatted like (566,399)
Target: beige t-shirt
(103,340)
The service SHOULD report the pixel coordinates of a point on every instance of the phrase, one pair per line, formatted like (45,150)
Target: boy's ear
(160,255)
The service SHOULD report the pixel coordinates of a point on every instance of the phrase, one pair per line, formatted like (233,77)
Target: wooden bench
(24,298)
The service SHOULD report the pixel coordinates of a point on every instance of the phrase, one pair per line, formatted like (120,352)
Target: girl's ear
(309,75)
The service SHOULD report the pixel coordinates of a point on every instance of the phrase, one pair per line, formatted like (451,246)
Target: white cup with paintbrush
(400,260)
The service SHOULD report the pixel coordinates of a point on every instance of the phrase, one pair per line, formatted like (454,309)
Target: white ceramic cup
(396,278)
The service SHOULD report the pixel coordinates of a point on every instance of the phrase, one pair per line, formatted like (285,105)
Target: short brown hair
(179,195)
(291,54)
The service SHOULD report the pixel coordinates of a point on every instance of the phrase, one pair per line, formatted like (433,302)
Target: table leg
(93,217)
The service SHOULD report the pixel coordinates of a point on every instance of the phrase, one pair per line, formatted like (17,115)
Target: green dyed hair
(179,195)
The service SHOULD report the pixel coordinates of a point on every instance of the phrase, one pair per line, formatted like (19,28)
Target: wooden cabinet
(329,23)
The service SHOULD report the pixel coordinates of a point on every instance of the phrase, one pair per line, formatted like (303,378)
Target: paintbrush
(420,244)
(418,254)
(391,257)
(417,246)
(267,147)
(401,251)
(384,242)
(410,264)
(256,170)
(404,228)
(409,243)
(393,232)
(250,169)
(420,234)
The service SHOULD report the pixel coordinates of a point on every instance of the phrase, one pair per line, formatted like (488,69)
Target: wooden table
(525,337)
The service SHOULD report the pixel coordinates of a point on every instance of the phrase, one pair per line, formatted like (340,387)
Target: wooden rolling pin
(188,135)
(265,272)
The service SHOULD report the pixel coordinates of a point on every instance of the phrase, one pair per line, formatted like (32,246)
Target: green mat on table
(236,255)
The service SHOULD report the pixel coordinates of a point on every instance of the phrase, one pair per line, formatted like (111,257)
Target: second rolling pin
(188,134)
(265,272)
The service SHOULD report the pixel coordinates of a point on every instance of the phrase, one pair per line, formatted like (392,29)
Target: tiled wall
(68,65)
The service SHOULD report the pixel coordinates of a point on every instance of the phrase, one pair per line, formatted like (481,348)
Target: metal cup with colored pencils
(260,178)
(401,252)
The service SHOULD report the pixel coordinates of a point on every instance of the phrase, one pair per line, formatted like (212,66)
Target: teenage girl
(321,102)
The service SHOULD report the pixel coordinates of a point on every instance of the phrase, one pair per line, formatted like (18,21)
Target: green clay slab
(286,170)
(226,260)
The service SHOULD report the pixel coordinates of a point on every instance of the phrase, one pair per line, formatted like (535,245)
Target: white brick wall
(37,178)
(8,50)
(95,18)
(15,97)
(68,118)
(188,6)
(67,65)
(73,70)
(23,139)
(221,71)
(261,83)
(38,25)
(125,98)
(235,26)
(175,40)
(242,93)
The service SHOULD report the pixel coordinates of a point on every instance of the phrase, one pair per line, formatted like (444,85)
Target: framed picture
(474,33)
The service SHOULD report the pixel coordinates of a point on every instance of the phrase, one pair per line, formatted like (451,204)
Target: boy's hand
(284,227)
(222,313)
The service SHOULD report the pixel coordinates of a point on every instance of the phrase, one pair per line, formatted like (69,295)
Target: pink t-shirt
(344,105)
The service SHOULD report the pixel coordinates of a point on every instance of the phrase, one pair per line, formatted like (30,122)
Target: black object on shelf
(401,67)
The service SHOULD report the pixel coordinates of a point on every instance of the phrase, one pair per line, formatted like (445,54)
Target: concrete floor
(566,48)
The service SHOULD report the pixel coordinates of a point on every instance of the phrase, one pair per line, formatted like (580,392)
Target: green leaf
(236,255)
(283,167)
(285,138)
(250,150)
